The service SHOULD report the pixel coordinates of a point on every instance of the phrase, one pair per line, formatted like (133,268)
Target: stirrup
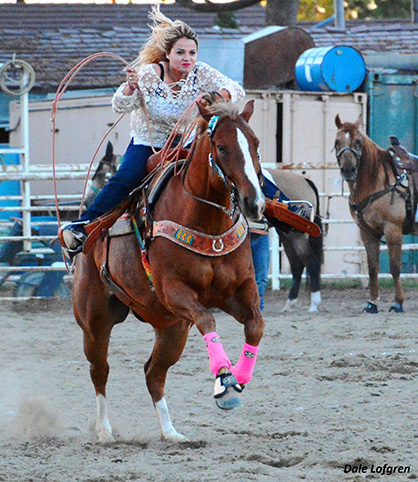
(72,237)
(301,208)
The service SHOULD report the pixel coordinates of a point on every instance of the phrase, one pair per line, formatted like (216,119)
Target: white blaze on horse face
(249,168)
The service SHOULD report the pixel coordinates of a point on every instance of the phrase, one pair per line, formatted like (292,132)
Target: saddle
(406,170)
(404,160)
(118,222)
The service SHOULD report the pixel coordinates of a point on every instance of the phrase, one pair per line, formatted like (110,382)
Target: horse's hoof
(396,307)
(173,436)
(227,391)
(289,305)
(370,308)
(103,437)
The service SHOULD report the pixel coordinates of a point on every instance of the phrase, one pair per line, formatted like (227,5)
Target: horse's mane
(221,108)
(373,156)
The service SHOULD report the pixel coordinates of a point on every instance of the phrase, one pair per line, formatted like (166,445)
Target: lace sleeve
(122,103)
(212,79)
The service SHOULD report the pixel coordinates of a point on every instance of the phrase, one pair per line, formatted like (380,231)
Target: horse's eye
(221,149)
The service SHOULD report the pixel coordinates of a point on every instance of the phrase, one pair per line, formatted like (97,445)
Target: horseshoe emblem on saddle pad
(218,245)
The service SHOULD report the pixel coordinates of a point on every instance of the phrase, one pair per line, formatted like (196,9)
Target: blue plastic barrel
(338,69)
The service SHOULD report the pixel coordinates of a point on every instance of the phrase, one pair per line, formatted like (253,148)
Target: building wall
(297,131)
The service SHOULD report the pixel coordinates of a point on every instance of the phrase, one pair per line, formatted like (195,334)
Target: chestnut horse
(206,203)
(379,203)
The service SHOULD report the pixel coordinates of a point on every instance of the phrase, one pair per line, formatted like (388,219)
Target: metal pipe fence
(27,175)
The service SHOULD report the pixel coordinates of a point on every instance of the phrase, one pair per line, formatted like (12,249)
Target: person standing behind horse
(164,81)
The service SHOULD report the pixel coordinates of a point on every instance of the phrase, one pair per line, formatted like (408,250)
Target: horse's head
(348,148)
(107,168)
(234,151)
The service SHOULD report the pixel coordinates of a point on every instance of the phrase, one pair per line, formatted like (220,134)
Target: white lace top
(165,105)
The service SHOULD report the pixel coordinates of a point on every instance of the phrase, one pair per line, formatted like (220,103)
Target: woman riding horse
(164,81)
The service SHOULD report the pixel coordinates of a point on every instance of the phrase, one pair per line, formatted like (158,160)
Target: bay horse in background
(303,250)
(199,256)
(381,202)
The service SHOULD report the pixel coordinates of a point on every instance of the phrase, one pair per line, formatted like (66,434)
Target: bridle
(213,122)
(357,155)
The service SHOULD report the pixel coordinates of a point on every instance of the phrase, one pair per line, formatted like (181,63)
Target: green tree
(380,8)
(317,10)
(287,12)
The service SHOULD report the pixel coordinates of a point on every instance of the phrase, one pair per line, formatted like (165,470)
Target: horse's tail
(317,243)
(315,190)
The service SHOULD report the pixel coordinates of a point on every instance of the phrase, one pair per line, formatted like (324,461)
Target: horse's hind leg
(296,267)
(169,345)
(97,322)
(313,267)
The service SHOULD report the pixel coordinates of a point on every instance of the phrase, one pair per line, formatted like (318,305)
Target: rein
(228,184)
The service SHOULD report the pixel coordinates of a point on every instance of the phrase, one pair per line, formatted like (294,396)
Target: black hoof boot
(396,307)
(371,308)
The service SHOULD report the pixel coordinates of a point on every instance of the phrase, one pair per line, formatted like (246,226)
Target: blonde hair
(165,33)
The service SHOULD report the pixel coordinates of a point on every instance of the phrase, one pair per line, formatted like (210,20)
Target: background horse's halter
(356,153)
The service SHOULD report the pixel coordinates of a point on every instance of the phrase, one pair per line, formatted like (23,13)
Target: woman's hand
(132,79)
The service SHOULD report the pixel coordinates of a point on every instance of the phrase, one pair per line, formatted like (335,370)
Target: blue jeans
(270,190)
(127,178)
(260,249)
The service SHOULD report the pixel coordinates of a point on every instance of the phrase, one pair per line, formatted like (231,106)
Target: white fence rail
(37,173)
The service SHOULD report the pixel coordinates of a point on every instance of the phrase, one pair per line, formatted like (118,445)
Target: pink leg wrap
(217,356)
(243,370)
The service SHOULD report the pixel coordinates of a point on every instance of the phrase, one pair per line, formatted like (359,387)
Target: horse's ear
(359,122)
(204,112)
(109,150)
(338,122)
(248,110)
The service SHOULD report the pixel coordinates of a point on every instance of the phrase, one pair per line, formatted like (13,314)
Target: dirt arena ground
(333,392)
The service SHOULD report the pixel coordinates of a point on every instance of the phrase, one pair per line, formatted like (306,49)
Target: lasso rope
(167,153)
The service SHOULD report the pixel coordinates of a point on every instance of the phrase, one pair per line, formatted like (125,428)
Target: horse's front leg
(372,245)
(183,301)
(245,307)
(394,241)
